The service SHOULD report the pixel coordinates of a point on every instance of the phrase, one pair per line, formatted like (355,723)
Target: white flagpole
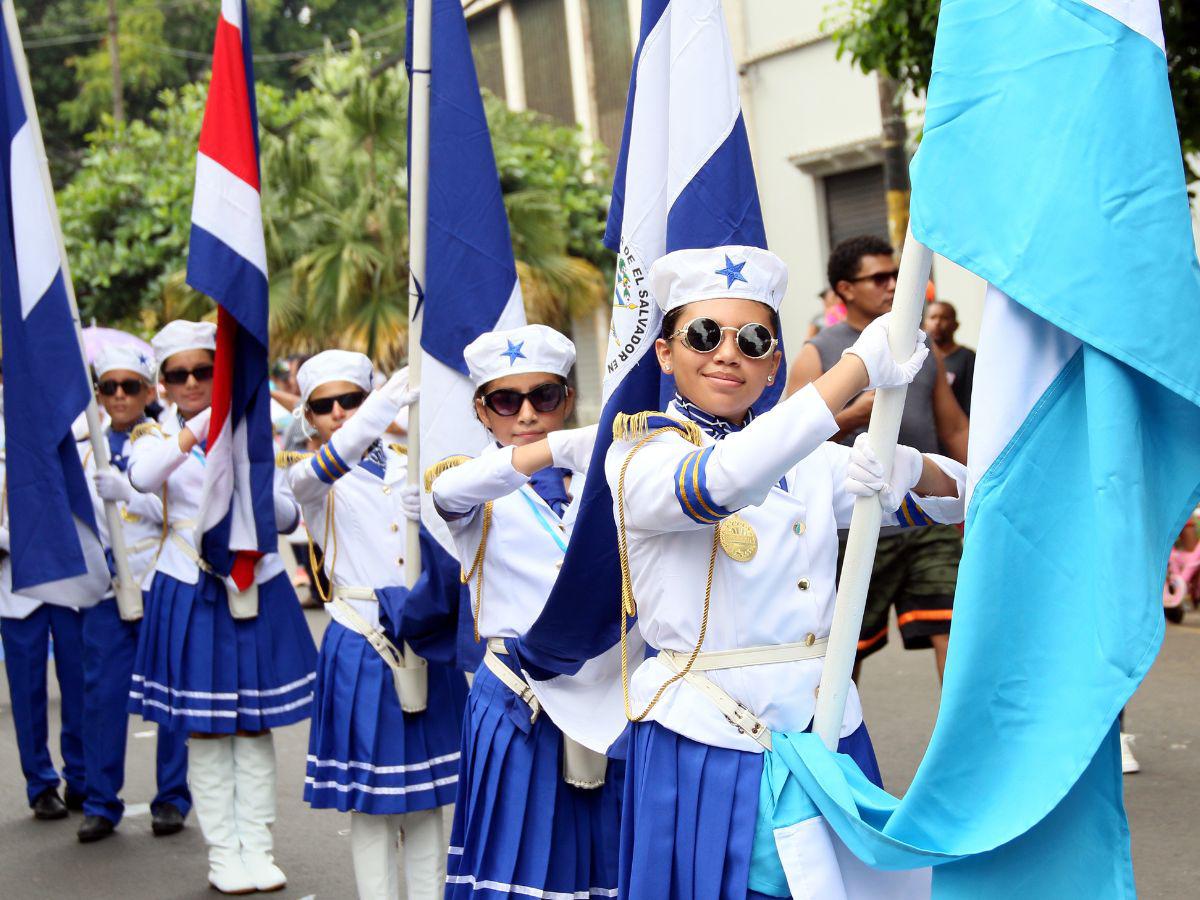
(128,592)
(418,221)
(864,525)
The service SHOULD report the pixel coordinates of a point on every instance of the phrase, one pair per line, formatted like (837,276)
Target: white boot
(254,802)
(210,776)
(424,836)
(1129,763)
(373,849)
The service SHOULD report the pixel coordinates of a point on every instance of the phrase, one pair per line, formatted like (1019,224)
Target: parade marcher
(26,629)
(227,680)
(124,376)
(728,528)
(527,821)
(393,770)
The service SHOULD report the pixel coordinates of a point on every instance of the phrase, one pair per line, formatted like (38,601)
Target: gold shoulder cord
(399,448)
(476,571)
(623,428)
(330,540)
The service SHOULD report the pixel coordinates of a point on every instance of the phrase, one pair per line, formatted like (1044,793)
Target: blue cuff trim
(691,490)
(339,463)
(910,514)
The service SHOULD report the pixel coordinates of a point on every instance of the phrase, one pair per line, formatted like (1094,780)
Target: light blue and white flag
(471,284)
(57,556)
(1049,166)
(684,179)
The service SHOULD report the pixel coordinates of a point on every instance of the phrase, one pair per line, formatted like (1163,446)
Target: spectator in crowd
(941,323)
(833,311)
(915,569)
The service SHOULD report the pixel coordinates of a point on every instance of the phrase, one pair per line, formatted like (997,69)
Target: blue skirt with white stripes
(199,669)
(519,829)
(366,754)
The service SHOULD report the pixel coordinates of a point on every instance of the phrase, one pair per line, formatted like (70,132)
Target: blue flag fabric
(1050,166)
(56,553)
(470,284)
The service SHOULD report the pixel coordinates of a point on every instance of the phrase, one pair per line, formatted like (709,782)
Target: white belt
(510,678)
(391,654)
(188,550)
(737,715)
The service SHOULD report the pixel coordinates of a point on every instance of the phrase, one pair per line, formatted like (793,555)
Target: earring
(770,379)
(667,370)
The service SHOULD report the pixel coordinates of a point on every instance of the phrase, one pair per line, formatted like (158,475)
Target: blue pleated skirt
(199,669)
(690,814)
(519,829)
(366,754)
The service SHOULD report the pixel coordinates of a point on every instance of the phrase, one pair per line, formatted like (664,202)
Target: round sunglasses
(130,386)
(544,398)
(180,376)
(704,335)
(324,406)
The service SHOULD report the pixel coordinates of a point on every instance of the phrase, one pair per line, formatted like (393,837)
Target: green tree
(896,37)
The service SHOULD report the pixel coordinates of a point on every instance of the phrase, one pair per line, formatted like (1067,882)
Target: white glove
(572,448)
(373,418)
(396,390)
(865,476)
(882,370)
(113,485)
(5,540)
(198,425)
(410,502)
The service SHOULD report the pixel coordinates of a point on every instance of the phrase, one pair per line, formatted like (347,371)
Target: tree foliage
(896,37)
(335,199)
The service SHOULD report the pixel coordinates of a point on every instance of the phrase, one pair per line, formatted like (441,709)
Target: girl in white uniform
(370,752)
(520,829)
(226,680)
(728,525)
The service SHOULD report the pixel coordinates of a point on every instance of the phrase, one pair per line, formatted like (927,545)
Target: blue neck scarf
(549,485)
(118,441)
(714,426)
(375,461)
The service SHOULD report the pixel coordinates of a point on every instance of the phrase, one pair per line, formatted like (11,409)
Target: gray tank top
(917,428)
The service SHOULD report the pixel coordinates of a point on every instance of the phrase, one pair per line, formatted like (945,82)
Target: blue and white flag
(684,179)
(471,284)
(57,556)
(1050,166)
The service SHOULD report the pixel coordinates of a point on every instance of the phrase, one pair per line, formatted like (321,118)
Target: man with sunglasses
(915,569)
(124,378)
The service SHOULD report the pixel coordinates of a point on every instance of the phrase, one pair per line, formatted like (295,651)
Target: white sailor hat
(180,335)
(516,351)
(747,273)
(110,358)
(333,365)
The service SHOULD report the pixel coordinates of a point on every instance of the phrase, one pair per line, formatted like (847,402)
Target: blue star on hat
(514,352)
(732,271)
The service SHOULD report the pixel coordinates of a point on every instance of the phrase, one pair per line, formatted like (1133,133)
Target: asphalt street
(44,860)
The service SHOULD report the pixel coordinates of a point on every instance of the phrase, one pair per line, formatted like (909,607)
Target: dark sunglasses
(704,335)
(180,376)
(544,398)
(131,386)
(324,406)
(881,279)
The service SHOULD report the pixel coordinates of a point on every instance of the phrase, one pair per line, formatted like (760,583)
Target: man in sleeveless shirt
(915,569)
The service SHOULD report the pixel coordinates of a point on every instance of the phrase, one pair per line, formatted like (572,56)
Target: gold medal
(737,538)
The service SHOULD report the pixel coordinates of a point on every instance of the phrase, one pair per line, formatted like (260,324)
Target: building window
(543,28)
(855,204)
(612,60)
(485,47)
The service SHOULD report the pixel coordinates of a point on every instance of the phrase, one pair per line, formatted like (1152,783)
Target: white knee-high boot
(424,853)
(254,803)
(373,849)
(210,776)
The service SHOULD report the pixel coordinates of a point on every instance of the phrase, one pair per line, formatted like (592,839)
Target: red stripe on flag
(227,135)
(222,393)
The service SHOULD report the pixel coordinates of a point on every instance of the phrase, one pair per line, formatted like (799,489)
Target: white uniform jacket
(158,466)
(675,492)
(526,539)
(141,519)
(365,545)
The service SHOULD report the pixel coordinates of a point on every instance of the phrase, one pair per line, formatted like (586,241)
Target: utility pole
(895,158)
(114,56)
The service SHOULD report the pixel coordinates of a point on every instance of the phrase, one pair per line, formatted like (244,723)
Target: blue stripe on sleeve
(683,492)
(700,486)
(340,466)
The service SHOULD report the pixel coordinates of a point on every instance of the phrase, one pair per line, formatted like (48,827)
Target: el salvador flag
(684,179)
(57,556)
(227,260)
(471,284)
(1050,166)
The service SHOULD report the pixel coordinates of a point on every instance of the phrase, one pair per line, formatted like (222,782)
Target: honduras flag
(470,285)
(684,179)
(57,556)
(1050,166)
(227,260)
